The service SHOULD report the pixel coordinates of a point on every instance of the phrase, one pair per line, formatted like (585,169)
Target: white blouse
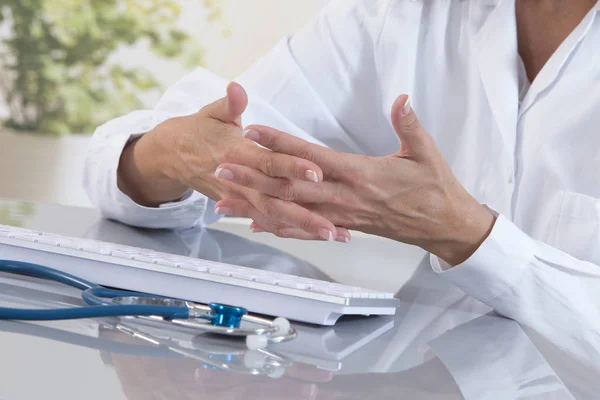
(535,162)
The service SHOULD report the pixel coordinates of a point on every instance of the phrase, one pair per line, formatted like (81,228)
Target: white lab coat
(536,161)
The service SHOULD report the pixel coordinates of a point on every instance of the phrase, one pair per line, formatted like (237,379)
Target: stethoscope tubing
(98,307)
(92,294)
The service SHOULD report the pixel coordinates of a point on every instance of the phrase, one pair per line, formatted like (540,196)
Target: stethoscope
(213,318)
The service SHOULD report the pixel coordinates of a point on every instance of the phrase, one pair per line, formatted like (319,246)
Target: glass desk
(441,344)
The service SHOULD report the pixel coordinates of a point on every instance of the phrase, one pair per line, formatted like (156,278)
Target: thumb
(415,141)
(229,109)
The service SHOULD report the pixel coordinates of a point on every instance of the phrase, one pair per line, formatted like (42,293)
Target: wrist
(471,228)
(146,172)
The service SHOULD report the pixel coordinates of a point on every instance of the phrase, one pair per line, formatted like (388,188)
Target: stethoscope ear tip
(257,342)
(282,324)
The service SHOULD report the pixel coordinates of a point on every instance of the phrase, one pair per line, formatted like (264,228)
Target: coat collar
(497,53)
(551,72)
(497,59)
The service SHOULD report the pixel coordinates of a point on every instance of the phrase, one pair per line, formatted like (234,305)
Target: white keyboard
(203,281)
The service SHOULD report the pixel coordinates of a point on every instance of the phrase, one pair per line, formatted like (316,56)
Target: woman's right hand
(184,152)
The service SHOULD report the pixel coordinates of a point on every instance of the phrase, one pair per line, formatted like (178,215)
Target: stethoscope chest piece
(227,316)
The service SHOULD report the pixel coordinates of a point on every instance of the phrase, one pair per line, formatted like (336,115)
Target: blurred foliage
(57,73)
(14,213)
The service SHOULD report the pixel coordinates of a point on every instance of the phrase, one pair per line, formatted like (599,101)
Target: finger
(343,235)
(275,164)
(241,209)
(230,108)
(284,143)
(415,141)
(285,189)
(285,213)
(244,209)
(283,231)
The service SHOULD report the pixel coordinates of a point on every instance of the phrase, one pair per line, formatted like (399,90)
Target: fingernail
(223,211)
(251,134)
(342,239)
(223,173)
(326,234)
(312,176)
(406,109)
(256,229)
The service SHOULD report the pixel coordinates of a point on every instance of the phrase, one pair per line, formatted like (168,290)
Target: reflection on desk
(207,244)
(441,344)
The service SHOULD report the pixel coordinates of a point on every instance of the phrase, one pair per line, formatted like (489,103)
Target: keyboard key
(47,240)
(166,263)
(107,251)
(266,279)
(292,284)
(221,272)
(245,276)
(67,244)
(195,267)
(141,258)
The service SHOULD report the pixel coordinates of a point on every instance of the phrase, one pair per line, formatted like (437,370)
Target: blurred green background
(68,66)
(55,58)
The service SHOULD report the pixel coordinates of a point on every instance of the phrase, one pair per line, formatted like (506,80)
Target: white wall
(49,169)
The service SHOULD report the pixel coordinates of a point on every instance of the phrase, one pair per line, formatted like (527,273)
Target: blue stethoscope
(102,302)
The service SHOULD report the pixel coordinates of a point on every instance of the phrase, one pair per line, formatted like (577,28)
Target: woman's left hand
(411,196)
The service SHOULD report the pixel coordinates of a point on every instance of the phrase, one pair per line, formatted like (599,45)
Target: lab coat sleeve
(308,85)
(497,348)
(542,288)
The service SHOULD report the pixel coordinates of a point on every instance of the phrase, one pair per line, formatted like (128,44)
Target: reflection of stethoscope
(214,318)
(213,353)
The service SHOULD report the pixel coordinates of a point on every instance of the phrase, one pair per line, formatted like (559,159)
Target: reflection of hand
(411,196)
(184,153)
(144,378)
(185,378)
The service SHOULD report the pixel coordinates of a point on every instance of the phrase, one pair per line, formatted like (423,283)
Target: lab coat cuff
(496,266)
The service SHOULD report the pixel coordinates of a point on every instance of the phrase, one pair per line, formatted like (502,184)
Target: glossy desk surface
(440,345)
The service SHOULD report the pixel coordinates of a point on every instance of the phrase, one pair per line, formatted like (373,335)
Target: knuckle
(410,124)
(244,178)
(270,208)
(286,191)
(306,224)
(229,154)
(281,232)
(307,153)
(269,141)
(361,174)
(267,165)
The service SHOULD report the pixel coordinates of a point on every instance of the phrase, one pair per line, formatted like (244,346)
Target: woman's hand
(411,196)
(184,152)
